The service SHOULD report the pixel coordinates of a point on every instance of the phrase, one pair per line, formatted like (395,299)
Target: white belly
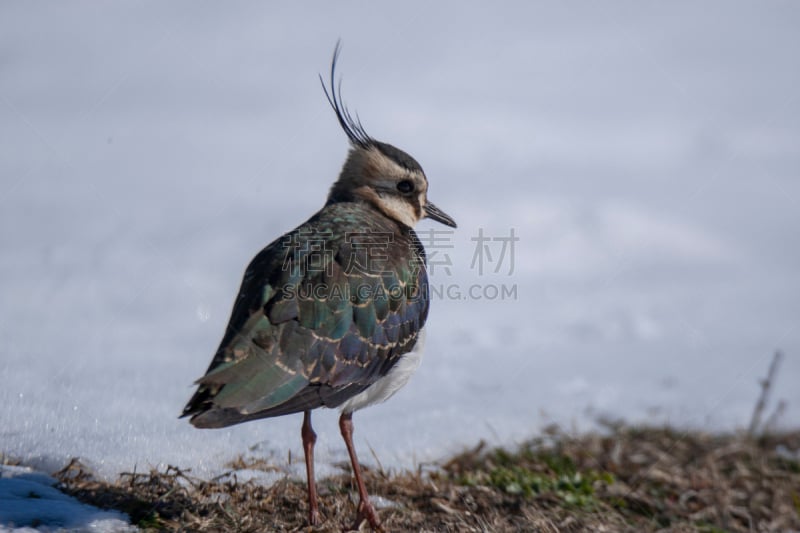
(392,382)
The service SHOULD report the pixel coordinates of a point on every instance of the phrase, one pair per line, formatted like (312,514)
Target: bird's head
(378,173)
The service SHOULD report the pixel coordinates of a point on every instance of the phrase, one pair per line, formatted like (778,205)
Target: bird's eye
(405,186)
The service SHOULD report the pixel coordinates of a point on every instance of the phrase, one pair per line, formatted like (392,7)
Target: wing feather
(305,333)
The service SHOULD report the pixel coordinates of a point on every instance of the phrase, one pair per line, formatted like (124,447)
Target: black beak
(434,213)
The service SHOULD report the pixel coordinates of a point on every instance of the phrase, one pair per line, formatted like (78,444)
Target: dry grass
(627,479)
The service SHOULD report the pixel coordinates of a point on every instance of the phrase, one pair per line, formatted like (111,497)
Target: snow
(29,501)
(645,155)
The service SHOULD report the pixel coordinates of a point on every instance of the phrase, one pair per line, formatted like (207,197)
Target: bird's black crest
(351,126)
(398,156)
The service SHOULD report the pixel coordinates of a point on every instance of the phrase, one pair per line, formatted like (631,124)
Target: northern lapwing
(332,313)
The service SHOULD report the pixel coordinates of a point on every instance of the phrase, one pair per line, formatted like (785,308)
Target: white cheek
(399,210)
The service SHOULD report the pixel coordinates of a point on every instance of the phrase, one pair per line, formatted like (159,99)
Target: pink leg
(365,509)
(309,439)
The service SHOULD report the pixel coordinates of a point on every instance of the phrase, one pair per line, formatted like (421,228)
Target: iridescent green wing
(320,316)
(384,271)
(250,363)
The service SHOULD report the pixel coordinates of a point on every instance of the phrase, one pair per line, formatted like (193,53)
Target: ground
(623,479)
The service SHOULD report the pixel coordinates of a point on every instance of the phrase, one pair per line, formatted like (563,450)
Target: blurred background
(624,176)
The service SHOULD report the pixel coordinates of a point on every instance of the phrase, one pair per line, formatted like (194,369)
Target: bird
(332,313)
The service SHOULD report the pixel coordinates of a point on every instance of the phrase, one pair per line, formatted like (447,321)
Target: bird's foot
(314,518)
(367,512)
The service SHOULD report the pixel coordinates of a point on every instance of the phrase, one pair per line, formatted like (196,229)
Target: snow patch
(30,501)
